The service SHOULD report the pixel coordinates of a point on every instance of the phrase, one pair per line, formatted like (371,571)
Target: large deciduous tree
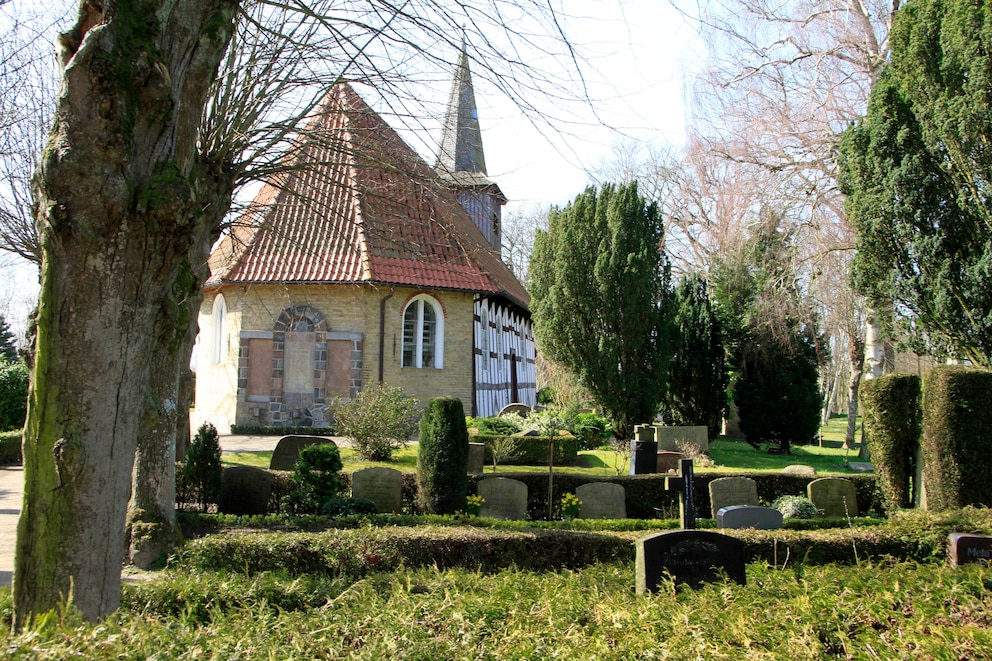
(599,286)
(918,175)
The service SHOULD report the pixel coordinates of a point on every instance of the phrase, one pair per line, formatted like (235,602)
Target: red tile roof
(362,208)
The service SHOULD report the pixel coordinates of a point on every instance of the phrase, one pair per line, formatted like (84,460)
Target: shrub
(796,507)
(378,420)
(202,473)
(317,477)
(532,450)
(592,430)
(347,507)
(10,447)
(891,410)
(442,461)
(13,395)
(506,424)
(957,434)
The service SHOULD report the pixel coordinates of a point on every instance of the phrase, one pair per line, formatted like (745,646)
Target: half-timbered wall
(505,359)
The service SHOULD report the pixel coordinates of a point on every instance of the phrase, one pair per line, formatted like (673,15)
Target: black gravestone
(691,557)
(963,549)
(643,457)
(288,450)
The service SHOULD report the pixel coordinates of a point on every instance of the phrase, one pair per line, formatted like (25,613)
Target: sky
(638,59)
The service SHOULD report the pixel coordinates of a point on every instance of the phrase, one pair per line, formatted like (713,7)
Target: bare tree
(517,234)
(145,157)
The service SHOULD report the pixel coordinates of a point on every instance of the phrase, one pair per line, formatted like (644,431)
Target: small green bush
(532,450)
(337,507)
(505,425)
(892,416)
(202,473)
(957,435)
(592,430)
(317,477)
(14,380)
(442,459)
(10,447)
(378,420)
(796,507)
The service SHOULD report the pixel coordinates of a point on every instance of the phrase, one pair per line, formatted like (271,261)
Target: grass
(889,611)
(728,455)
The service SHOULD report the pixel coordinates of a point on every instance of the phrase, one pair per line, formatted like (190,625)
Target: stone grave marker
(504,498)
(964,548)
(666,437)
(383,486)
(476,457)
(836,496)
(602,500)
(643,451)
(748,516)
(687,494)
(691,557)
(727,491)
(802,470)
(288,449)
(669,461)
(861,466)
(244,490)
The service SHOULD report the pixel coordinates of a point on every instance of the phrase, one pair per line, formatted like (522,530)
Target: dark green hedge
(10,447)
(892,423)
(956,450)
(531,450)
(442,457)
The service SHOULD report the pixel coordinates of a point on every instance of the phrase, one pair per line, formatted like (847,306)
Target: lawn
(728,455)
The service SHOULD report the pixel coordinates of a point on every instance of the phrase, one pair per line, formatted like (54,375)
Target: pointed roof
(364,208)
(461,160)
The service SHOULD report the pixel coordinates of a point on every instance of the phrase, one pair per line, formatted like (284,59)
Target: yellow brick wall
(347,308)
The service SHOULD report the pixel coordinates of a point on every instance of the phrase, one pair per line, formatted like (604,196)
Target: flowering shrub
(473,504)
(796,507)
(570,505)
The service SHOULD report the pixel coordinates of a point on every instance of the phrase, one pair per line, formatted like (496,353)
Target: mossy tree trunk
(117,211)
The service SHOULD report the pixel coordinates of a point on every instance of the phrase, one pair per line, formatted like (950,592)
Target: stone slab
(476,458)
(504,498)
(643,457)
(288,449)
(737,517)
(602,500)
(298,363)
(667,437)
(861,466)
(244,490)
(801,470)
(727,491)
(965,548)
(669,461)
(690,557)
(837,497)
(383,486)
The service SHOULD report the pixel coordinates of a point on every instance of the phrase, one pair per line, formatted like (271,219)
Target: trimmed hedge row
(892,423)
(957,435)
(259,430)
(915,536)
(10,447)
(530,450)
(644,493)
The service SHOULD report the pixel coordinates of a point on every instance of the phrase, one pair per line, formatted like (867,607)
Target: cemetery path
(12,491)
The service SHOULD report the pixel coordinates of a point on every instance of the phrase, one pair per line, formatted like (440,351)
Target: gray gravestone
(800,470)
(383,486)
(691,557)
(476,457)
(861,466)
(602,500)
(288,449)
(244,490)
(727,491)
(964,548)
(503,498)
(668,438)
(737,517)
(836,496)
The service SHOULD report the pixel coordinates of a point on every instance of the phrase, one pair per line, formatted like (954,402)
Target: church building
(365,265)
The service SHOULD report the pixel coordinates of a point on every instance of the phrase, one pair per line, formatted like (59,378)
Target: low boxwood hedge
(530,450)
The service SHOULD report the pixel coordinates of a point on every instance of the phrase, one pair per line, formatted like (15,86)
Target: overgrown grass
(886,611)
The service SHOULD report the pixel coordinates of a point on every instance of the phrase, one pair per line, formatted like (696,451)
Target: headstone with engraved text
(601,500)
(503,498)
(383,486)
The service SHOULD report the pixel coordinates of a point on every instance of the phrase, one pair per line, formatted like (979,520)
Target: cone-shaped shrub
(891,409)
(442,462)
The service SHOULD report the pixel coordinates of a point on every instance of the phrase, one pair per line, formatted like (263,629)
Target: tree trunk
(856,354)
(116,214)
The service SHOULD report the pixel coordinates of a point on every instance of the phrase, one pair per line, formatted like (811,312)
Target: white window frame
(219,330)
(420,301)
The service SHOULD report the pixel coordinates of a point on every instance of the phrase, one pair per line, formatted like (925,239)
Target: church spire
(461,139)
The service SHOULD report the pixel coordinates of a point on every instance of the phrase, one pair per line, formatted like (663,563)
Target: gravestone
(288,449)
(667,437)
(800,470)
(503,498)
(687,494)
(836,496)
(602,500)
(737,517)
(244,490)
(383,486)
(861,466)
(476,457)
(691,557)
(643,451)
(964,548)
(669,461)
(727,491)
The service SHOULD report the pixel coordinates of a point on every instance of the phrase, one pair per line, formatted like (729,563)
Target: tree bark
(117,213)
(856,354)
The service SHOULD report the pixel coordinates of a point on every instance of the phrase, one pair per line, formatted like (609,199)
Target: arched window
(219,329)
(423,333)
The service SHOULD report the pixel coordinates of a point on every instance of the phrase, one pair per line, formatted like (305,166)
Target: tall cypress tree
(697,387)
(8,343)
(599,286)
